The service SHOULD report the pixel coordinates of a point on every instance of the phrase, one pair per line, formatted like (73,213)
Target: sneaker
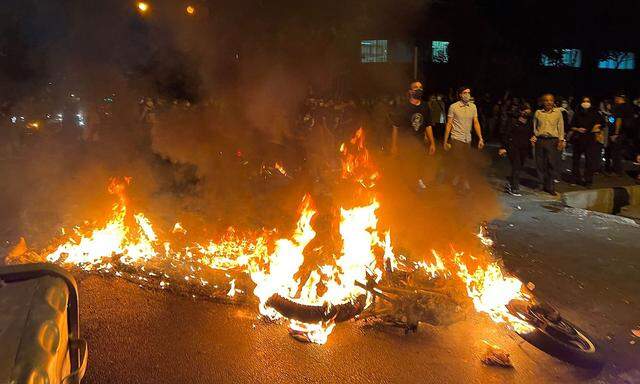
(513,192)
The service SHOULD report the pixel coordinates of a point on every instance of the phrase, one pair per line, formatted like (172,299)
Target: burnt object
(317,313)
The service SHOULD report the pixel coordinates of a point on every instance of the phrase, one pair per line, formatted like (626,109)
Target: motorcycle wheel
(560,338)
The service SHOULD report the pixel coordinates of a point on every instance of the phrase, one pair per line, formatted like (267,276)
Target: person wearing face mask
(515,144)
(413,118)
(462,117)
(586,127)
(412,128)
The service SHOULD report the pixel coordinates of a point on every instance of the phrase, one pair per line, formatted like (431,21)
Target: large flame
(275,265)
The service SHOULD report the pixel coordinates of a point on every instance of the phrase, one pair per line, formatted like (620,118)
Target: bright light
(142,6)
(191,10)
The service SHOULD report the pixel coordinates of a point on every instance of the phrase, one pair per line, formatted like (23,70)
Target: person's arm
(561,142)
(505,134)
(478,129)
(428,135)
(394,140)
(447,130)
(535,128)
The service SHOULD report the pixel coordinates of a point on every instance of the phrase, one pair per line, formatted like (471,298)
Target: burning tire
(559,337)
(317,313)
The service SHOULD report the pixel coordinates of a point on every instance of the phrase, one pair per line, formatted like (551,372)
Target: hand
(480,144)
(561,145)
(502,152)
(533,139)
(638,159)
(582,130)
(447,146)
(432,149)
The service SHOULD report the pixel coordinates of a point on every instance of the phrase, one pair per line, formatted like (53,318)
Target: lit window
(440,52)
(561,58)
(373,51)
(617,60)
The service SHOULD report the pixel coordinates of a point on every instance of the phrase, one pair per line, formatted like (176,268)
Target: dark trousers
(517,156)
(585,145)
(547,160)
(615,154)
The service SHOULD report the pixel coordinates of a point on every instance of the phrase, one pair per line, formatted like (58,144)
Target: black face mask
(417,94)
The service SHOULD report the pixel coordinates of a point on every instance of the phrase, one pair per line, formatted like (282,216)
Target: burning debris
(358,276)
(496,356)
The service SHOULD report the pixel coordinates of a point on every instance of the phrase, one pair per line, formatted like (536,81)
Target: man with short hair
(462,116)
(413,119)
(549,141)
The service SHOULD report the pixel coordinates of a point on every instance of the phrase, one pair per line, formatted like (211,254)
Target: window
(440,52)
(561,58)
(617,60)
(373,51)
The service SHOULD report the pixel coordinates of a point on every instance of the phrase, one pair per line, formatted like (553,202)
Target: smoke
(245,69)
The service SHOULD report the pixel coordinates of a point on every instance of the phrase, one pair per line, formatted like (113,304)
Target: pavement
(585,263)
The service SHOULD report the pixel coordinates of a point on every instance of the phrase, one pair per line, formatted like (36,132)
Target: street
(148,336)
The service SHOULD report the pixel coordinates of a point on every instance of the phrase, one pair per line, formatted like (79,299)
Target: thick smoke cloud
(245,69)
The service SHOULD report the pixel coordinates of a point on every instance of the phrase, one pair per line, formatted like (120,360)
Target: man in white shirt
(462,116)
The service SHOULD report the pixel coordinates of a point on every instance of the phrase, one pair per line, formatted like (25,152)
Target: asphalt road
(585,264)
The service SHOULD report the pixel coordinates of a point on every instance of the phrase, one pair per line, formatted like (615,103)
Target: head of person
(416,90)
(464,94)
(585,103)
(620,98)
(637,101)
(525,110)
(564,103)
(548,101)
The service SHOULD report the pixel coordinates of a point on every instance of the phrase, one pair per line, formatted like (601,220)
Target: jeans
(517,156)
(585,145)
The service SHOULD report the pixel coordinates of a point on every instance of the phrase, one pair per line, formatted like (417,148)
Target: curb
(623,201)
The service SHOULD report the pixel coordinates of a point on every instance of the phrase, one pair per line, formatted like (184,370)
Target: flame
(280,168)
(356,164)
(142,6)
(278,266)
(191,10)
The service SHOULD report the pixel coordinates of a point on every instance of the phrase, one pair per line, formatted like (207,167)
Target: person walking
(462,117)
(586,126)
(516,145)
(622,131)
(549,141)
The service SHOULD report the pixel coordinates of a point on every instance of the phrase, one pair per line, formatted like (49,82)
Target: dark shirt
(585,118)
(517,133)
(412,119)
(624,111)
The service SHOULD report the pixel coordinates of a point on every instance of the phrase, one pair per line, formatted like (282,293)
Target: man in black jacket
(585,128)
(516,144)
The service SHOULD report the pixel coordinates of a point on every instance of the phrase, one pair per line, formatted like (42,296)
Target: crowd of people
(545,129)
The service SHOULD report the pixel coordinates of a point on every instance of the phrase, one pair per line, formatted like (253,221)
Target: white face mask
(586,105)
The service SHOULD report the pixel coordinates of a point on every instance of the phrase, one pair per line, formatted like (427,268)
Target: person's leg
(553,156)
(578,150)
(617,155)
(540,162)
(516,166)
(592,157)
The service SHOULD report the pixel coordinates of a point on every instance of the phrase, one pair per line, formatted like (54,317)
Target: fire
(142,6)
(191,10)
(356,163)
(279,266)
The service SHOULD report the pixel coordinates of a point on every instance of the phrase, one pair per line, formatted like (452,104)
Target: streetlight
(142,7)
(191,10)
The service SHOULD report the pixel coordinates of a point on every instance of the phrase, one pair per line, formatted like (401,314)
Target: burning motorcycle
(412,296)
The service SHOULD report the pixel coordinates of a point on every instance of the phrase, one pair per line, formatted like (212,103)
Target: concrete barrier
(606,200)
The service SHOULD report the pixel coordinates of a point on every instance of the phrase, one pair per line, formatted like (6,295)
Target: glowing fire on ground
(275,266)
